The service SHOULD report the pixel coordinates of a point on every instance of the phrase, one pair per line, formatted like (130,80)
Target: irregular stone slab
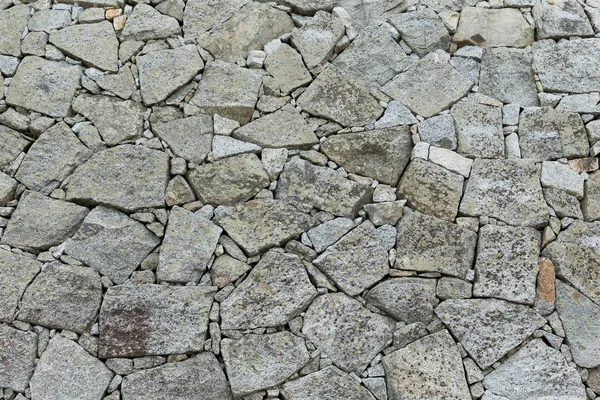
(549,134)
(329,232)
(286,67)
(590,205)
(357,261)
(8,188)
(560,176)
(562,19)
(385,213)
(127,177)
(364,14)
(189,138)
(60,221)
(257,362)
(66,371)
(197,378)
(258,225)
(116,120)
(346,332)
(438,131)
(49,20)
(422,30)
(200,16)
(44,86)
(380,154)
(121,84)
(581,320)
(228,90)
(429,368)
(189,243)
(96,45)
(275,291)
(326,29)
(51,158)
(428,244)
(333,97)
(105,4)
(227,269)
(250,28)
(536,371)
(429,87)
(226,146)
(18,350)
(16,272)
(405,299)
(431,189)
(571,66)
(13,22)
(479,130)
(506,75)
(507,263)
(140,320)
(488,328)
(11,145)
(112,243)
(304,183)
(163,72)
(564,204)
(508,190)
(328,383)
(63,297)
(395,114)
(283,128)
(145,23)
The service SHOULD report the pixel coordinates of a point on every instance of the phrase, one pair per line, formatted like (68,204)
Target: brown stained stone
(546,294)
(588,164)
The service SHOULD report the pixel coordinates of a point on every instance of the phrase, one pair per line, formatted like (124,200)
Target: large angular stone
(429,87)
(13,22)
(40,222)
(44,86)
(283,128)
(439,131)
(11,145)
(369,13)
(346,332)
(316,39)
(405,299)
(197,378)
(333,97)
(329,232)
(429,368)
(189,138)
(536,371)
(145,23)
(127,177)
(140,320)
(257,362)
(189,243)
(16,272)
(286,67)
(96,45)
(488,328)
(51,158)
(428,244)
(590,205)
(328,383)
(200,16)
(162,72)
(67,372)
(228,90)
(431,189)
(380,154)
(49,20)
(479,130)
(357,261)
(508,190)
(564,204)
(275,291)
(561,19)
(18,350)
(422,30)
(258,225)
(117,120)
(112,243)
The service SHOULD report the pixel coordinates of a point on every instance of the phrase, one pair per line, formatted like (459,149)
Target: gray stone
(590,205)
(189,138)
(18,350)
(395,114)
(256,362)
(40,222)
(346,332)
(379,154)
(581,103)
(385,213)
(11,145)
(308,7)
(227,269)
(121,84)
(286,67)
(197,378)
(316,39)
(453,288)
(479,130)
(163,72)
(112,243)
(48,20)
(96,45)
(44,86)
(365,13)
(66,371)
(560,176)
(117,120)
(430,368)
(96,3)
(35,44)
(525,375)
(438,131)
(405,299)
(355,262)
(179,192)
(104,180)
(468,67)
(560,20)
(422,30)
(328,383)
(429,87)
(16,273)
(225,146)
(200,16)
(145,23)
(508,190)
(13,22)
(488,328)
(333,97)
(329,232)
(140,320)
(8,187)
(563,204)
(428,244)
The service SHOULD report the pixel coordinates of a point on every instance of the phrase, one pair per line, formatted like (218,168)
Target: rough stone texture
(286,67)
(16,273)
(18,350)
(438,131)
(12,24)
(328,383)
(405,299)
(11,145)
(565,18)
(479,130)
(329,232)
(8,188)
(590,205)
(145,23)
(200,15)
(227,269)
(422,30)
(316,39)
(190,138)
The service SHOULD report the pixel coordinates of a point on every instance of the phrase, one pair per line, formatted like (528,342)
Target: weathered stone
(429,368)
(438,131)
(364,14)
(8,187)
(11,145)
(453,288)
(405,299)
(140,320)
(316,39)
(16,273)
(581,103)
(112,243)
(13,22)
(479,130)
(18,350)
(49,20)
(227,269)
(226,146)
(329,232)
(385,213)
(346,332)
(590,205)
(560,19)
(189,138)
(328,383)
(565,205)
(122,84)
(488,328)
(395,114)
(40,222)
(560,176)
(126,177)
(508,190)
(145,23)
(422,30)
(286,67)
(200,16)
(257,362)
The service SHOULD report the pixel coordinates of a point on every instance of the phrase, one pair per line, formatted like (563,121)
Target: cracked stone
(479,130)
(200,16)
(146,23)
(422,30)
(329,232)
(316,39)
(328,383)
(189,138)
(11,145)
(286,66)
(561,19)
(16,273)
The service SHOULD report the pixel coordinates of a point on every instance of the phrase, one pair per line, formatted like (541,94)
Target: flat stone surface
(561,20)
(564,204)
(346,332)
(145,23)
(19,350)
(438,131)
(13,22)
(560,176)
(286,67)
(422,30)
(328,383)
(49,20)
(140,320)
(226,146)
(11,145)
(590,205)
(200,16)
(189,138)
(316,39)
(16,273)
(478,130)
(329,232)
